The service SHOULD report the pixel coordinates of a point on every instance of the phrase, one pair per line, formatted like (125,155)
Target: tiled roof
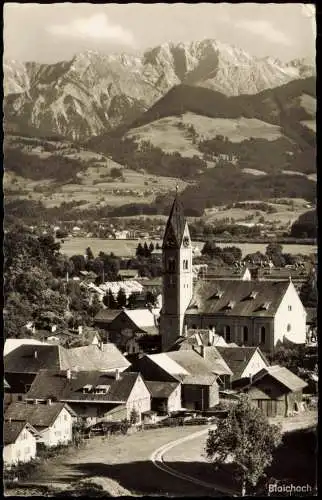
(199,371)
(237,358)
(141,317)
(11,430)
(106,315)
(199,337)
(217,362)
(38,415)
(283,376)
(160,389)
(55,357)
(54,384)
(11,344)
(176,223)
(213,297)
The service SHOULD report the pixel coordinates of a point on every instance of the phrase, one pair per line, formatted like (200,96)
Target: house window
(227,334)
(289,327)
(245,334)
(263,335)
(290,308)
(185,264)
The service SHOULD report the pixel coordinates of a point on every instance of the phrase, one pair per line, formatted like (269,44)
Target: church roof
(237,298)
(176,223)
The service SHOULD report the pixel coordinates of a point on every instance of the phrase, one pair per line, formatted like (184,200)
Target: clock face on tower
(186,241)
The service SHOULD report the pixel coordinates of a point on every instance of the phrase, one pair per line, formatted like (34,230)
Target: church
(247,313)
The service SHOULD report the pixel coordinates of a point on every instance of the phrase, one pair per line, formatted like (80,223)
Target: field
(165,134)
(284,216)
(126,248)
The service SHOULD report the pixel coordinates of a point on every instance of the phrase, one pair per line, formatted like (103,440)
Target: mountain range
(94,93)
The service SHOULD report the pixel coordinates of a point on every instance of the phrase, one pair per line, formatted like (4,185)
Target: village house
(19,440)
(53,421)
(165,396)
(243,361)
(135,330)
(128,274)
(276,391)
(12,344)
(22,365)
(199,388)
(94,396)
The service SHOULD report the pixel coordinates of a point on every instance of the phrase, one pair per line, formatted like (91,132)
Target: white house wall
(295,317)
(174,400)
(256,364)
(23,450)
(60,432)
(140,398)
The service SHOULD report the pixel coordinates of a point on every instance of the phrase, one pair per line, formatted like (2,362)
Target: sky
(53,32)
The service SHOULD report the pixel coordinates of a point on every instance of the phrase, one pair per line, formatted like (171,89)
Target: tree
(109,300)
(309,291)
(134,416)
(150,298)
(139,250)
(131,301)
(121,298)
(247,438)
(151,247)
(89,254)
(79,263)
(146,251)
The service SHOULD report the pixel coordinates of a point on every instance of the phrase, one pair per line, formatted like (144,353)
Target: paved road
(157,458)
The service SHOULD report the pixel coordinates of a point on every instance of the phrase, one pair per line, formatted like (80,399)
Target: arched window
(263,335)
(245,334)
(289,328)
(185,264)
(171,264)
(227,334)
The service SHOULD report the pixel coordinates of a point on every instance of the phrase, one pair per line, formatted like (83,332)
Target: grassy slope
(165,134)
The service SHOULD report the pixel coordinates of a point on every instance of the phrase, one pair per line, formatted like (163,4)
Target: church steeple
(177,274)
(176,225)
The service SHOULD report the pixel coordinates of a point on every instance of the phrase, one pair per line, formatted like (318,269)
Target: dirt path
(300,421)
(125,459)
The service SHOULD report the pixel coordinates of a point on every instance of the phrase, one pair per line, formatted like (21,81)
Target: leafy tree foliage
(247,438)
(305,226)
(121,298)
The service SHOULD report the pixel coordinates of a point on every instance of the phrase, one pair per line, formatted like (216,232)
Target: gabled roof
(283,376)
(213,297)
(12,430)
(12,344)
(161,389)
(106,315)
(198,337)
(176,223)
(216,361)
(237,358)
(141,317)
(38,415)
(199,371)
(55,357)
(128,272)
(54,384)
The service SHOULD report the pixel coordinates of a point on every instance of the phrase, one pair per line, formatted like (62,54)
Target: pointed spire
(176,223)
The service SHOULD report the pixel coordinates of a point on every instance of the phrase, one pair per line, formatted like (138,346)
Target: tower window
(227,333)
(171,265)
(185,264)
(245,334)
(263,335)
(290,308)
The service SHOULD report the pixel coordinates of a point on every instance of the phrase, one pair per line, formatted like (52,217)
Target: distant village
(182,345)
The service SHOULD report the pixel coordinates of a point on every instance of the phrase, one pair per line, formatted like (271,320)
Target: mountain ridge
(95,92)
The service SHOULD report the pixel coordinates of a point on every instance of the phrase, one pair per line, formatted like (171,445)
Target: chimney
(250,378)
(185,331)
(36,354)
(117,374)
(80,330)
(68,374)
(49,402)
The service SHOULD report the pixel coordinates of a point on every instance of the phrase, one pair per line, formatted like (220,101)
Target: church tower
(177,275)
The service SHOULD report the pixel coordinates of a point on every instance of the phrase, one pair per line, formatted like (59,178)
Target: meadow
(126,248)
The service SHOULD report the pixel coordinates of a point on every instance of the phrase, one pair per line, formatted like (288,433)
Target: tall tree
(121,298)
(89,254)
(247,438)
(109,300)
